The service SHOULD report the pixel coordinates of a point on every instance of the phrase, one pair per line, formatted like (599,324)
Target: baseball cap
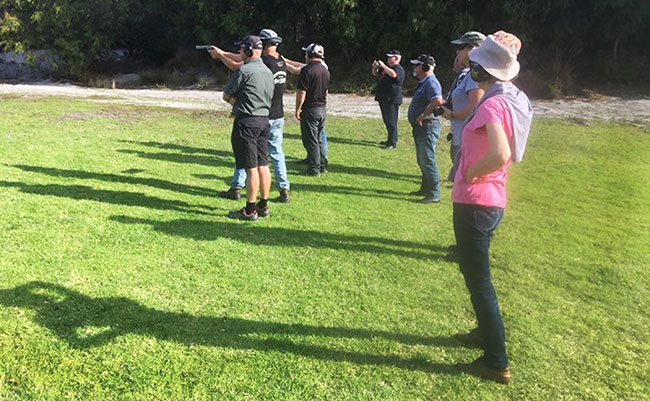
(393,53)
(269,36)
(424,59)
(251,40)
(472,38)
(316,49)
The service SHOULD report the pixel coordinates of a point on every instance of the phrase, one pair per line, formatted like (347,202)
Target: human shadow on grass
(86,322)
(183,148)
(280,236)
(182,158)
(347,190)
(335,139)
(125,179)
(82,192)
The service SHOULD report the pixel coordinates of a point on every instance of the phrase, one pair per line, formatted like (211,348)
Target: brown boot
(472,339)
(479,369)
(232,193)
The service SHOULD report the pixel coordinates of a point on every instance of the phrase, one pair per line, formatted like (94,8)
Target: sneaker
(471,339)
(383,143)
(242,215)
(480,369)
(324,171)
(417,193)
(310,173)
(389,147)
(429,199)
(285,195)
(232,193)
(262,211)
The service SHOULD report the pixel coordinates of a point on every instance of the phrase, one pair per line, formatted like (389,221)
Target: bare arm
(497,156)
(434,104)
(300,99)
(293,67)
(475,96)
(230,60)
(387,70)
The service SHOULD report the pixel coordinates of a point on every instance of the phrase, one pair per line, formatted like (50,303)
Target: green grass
(121,278)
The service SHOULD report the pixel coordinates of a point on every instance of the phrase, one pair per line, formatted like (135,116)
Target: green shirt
(252,87)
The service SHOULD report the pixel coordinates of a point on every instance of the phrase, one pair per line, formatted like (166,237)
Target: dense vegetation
(593,40)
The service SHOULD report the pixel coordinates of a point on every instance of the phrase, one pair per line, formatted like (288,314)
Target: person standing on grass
(276,63)
(250,90)
(388,93)
(494,136)
(463,95)
(311,111)
(426,126)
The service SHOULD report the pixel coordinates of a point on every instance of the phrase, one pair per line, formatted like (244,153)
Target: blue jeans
(425,138)
(324,139)
(277,159)
(474,226)
(389,113)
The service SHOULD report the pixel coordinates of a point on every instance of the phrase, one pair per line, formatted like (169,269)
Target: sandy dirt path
(634,111)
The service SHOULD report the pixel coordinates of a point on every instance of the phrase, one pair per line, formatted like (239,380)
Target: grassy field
(122,278)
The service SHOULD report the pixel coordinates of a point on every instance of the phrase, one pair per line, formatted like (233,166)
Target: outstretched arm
(293,67)
(230,60)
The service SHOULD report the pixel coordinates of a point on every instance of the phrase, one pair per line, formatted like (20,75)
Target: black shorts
(250,137)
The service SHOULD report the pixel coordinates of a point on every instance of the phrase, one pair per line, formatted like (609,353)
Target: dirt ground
(581,110)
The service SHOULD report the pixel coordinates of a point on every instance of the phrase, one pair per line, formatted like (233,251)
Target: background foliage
(564,40)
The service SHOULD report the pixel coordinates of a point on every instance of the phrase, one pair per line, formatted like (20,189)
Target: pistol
(203,47)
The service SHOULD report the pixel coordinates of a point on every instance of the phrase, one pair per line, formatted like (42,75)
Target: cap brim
(416,62)
(458,42)
(392,55)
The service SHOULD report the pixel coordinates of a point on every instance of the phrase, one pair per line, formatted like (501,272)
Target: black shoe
(232,193)
(383,143)
(417,193)
(285,195)
(389,147)
(429,199)
(310,173)
(324,171)
(304,161)
(480,369)
(471,339)
(262,211)
(242,215)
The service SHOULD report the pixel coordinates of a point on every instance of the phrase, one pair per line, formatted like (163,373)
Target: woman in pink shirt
(494,136)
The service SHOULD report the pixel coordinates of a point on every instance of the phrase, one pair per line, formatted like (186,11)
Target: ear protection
(425,67)
(248,49)
(478,73)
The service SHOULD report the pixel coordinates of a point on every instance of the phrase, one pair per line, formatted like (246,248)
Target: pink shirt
(474,145)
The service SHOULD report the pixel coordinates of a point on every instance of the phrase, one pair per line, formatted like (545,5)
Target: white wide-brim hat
(498,60)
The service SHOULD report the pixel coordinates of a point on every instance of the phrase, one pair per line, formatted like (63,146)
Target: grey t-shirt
(460,100)
(252,87)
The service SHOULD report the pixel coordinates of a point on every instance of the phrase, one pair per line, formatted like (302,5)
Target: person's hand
(470,178)
(419,119)
(380,64)
(508,40)
(215,52)
(447,113)
(298,114)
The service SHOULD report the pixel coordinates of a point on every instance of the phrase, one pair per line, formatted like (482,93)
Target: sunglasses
(463,47)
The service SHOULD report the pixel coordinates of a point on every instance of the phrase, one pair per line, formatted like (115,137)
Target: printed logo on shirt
(279,78)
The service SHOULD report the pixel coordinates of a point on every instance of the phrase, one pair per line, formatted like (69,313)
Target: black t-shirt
(389,90)
(314,79)
(279,70)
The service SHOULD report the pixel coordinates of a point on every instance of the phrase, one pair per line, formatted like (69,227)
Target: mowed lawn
(122,278)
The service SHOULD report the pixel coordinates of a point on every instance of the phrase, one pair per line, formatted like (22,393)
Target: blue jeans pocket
(487,219)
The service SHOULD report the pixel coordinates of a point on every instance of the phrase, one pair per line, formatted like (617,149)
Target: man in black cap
(311,101)
(276,63)
(250,90)
(388,93)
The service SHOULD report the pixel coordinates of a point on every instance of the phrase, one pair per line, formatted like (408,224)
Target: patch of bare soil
(580,110)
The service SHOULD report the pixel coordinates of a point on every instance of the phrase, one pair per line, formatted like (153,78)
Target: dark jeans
(474,226)
(312,121)
(454,152)
(389,112)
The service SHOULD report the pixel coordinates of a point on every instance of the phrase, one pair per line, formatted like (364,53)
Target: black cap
(254,42)
(471,38)
(393,52)
(424,59)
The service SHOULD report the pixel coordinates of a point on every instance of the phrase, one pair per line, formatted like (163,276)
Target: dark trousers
(312,121)
(474,226)
(389,112)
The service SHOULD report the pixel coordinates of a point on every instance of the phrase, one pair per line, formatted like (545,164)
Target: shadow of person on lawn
(204,230)
(83,192)
(125,179)
(85,322)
